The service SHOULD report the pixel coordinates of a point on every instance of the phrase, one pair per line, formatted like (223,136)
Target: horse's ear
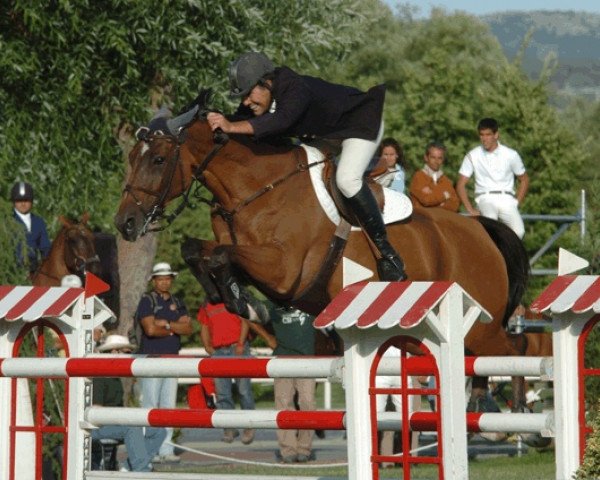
(64,221)
(85,217)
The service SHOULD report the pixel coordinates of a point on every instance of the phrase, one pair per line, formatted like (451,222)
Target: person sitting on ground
(278,102)
(429,187)
(390,170)
(108,392)
(36,234)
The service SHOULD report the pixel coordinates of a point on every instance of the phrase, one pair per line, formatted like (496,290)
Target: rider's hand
(216,120)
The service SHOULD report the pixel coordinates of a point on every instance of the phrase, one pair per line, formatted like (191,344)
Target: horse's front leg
(196,253)
(234,295)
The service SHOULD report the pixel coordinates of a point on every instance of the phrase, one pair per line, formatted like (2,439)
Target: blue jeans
(140,448)
(160,393)
(223,386)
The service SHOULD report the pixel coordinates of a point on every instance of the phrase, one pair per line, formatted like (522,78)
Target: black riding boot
(390,266)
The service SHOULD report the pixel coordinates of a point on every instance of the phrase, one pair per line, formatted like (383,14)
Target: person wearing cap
(278,102)
(494,167)
(142,443)
(36,233)
(163,318)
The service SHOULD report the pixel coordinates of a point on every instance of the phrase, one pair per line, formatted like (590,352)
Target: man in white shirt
(495,167)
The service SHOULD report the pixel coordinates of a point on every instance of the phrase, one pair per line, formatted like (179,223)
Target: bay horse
(271,231)
(72,252)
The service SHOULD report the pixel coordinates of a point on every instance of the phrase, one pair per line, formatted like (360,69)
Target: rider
(36,234)
(279,101)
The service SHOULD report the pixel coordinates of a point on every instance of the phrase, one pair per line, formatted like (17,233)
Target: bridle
(157,210)
(80,263)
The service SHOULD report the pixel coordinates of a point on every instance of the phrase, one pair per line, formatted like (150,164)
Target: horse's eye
(159,160)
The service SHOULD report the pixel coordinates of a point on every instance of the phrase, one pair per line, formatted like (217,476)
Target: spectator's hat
(162,269)
(115,342)
(72,281)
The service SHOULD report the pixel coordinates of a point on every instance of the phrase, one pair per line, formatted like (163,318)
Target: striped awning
(384,304)
(31,303)
(575,293)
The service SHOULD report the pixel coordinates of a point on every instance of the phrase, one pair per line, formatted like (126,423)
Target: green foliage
(77,76)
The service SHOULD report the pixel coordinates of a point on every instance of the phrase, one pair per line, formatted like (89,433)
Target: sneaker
(287,459)
(305,458)
(157,459)
(229,434)
(170,458)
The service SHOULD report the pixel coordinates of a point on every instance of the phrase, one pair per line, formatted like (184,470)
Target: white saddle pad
(397,206)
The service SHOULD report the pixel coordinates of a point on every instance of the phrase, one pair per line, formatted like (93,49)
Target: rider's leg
(355,157)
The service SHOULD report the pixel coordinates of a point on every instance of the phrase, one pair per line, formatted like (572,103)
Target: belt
(497,192)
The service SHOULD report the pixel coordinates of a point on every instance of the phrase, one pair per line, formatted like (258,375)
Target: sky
(480,7)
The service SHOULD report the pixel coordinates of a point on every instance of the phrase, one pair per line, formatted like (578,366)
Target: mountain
(573,37)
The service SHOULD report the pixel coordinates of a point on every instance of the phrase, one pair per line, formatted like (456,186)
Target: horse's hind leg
(193,252)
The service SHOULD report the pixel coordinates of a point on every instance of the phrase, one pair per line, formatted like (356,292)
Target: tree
(76,77)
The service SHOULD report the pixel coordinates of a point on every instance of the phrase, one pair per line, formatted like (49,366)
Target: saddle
(339,199)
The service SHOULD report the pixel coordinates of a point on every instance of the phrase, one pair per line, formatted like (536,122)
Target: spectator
(429,187)
(295,335)
(278,102)
(390,170)
(225,334)
(36,234)
(495,168)
(163,319)
(108,392)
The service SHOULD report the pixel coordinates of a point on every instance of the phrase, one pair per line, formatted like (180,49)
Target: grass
(531,466)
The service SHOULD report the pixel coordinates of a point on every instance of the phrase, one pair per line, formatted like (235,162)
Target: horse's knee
(191,250)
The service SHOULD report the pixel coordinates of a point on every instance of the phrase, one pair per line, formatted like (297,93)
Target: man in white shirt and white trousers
(495,167)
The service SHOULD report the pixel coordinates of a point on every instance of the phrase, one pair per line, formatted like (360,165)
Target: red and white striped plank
(169,366)
(385,304)
(31,303)
(307,420)
(276,367)
(578,293)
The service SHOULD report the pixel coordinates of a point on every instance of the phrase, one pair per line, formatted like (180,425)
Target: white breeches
(354,160)
(502,207)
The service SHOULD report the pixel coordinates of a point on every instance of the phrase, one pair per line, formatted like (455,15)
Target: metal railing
(565,222)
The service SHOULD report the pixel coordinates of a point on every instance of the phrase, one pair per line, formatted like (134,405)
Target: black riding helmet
(246,72)
(21,191)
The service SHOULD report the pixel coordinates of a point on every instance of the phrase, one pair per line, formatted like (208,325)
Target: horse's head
(157,172)
(79,249)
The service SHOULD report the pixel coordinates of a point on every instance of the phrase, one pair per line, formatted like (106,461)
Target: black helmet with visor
(247,71)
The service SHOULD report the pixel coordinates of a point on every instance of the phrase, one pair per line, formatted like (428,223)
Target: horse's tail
(517,262)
